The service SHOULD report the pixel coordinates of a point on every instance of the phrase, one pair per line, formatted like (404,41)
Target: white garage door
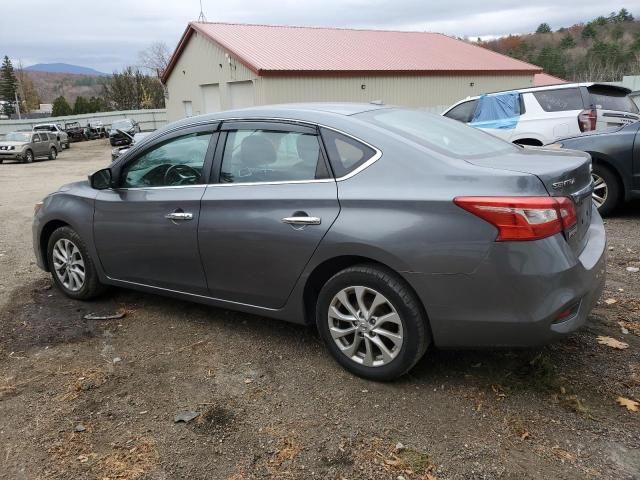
(211,97)
(241,94)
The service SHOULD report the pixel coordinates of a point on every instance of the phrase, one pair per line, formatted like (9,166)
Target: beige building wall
(203,65)
(410,91)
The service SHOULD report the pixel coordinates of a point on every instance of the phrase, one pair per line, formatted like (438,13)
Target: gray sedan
(389,229)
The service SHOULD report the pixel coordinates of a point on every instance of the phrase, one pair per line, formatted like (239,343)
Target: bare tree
(155,58)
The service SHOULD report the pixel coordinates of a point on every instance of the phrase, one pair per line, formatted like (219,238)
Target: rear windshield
(611,99)
(44,128)
(438,133)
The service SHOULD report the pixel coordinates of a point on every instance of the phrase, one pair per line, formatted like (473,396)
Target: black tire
(53,153)
(28,156)
(91,287)
(416,335)
(613,188)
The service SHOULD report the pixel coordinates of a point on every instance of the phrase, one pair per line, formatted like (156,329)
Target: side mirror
(102,179)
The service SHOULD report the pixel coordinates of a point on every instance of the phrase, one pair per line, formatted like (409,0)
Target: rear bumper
(514,297)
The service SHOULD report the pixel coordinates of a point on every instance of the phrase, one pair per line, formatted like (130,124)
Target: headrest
(256,150)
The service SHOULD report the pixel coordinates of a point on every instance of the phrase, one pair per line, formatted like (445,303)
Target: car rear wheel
(71,266)
(606,190)
(371,322)
(53,153)
(28,157)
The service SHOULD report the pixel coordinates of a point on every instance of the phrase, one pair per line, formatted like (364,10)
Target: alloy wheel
(600,190)
(365,326)
(68,264)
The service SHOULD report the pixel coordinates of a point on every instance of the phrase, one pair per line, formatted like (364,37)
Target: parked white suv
(61,136)
(541,115)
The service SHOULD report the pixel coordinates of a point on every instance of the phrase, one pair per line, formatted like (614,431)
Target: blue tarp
(500,111)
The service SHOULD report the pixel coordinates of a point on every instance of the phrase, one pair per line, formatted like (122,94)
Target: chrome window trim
(376,156)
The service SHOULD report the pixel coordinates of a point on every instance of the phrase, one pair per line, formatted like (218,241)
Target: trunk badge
(563,183)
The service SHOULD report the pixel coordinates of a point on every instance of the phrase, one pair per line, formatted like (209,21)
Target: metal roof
(541,79)
(284,50)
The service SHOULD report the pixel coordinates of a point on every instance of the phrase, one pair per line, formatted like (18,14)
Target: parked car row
(595,118)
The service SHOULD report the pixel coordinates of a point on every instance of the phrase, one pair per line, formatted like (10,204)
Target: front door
(146,229)
(262,221)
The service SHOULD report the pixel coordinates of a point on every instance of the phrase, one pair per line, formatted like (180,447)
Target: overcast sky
(106,35)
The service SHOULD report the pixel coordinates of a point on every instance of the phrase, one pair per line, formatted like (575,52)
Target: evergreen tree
(567,42)
(61,107)
(81,106)
(543,28)
(589,31)
(8,85)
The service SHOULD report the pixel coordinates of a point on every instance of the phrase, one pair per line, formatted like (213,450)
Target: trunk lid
(564,173)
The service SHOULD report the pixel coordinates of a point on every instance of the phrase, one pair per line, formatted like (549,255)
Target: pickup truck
(75,131)
(55,128)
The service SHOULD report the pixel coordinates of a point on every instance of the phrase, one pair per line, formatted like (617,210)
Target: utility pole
(17,105)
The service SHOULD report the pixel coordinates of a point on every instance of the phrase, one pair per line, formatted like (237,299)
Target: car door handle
(179,216)
(302,220)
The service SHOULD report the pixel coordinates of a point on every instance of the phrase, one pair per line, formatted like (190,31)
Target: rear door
(270,207)
(614,108)
(556,113)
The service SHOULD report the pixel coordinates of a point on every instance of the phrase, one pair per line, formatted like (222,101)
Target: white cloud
(109,35)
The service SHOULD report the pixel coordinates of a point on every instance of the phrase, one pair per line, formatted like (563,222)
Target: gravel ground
(98,399)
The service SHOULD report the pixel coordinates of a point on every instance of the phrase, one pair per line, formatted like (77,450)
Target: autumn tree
(155,58)
(133,90)
(30,99)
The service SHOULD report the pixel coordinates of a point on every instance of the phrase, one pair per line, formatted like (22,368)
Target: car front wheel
(28,158)
(71,266)
(371,322)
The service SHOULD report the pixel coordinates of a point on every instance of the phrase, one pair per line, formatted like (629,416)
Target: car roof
(546,87)
(304,112)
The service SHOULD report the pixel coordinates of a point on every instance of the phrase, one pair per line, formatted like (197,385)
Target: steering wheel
(182,174)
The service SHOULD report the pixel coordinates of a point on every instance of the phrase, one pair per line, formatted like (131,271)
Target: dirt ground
(98,399)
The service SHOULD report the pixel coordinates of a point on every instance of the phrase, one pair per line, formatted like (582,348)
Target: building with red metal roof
(219,66)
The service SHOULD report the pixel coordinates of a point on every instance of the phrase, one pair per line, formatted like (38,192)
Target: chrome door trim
(283,182)
(193,294)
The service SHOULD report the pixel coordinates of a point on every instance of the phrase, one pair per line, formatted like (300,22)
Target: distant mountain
(64,68)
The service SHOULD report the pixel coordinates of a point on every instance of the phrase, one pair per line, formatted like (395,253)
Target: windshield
(437,133)
(121,125)
(18,137)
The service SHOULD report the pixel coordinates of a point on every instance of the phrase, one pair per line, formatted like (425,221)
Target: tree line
(130,89)
(604,49)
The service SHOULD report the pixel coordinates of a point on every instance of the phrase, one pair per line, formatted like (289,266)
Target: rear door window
(611,99)
(255,155)
(463,112)
(346,154)
(560,100)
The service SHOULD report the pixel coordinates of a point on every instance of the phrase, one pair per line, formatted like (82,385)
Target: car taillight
(587,120)
(523,218)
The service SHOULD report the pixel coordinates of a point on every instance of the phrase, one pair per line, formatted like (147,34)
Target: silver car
(27,146)
(389,229)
